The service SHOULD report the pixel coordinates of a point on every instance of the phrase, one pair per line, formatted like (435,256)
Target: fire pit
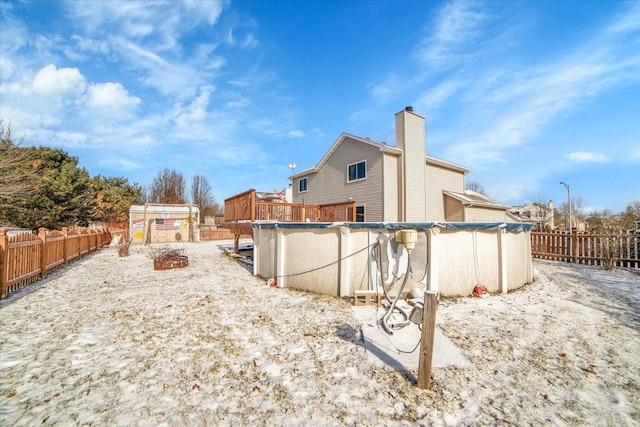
(165,258)
(167,263)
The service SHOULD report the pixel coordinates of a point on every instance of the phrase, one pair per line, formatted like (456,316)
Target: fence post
(64,244)
(428,337)
(42,234)
(574,246)
(4,263)
(252,206)
(433,269)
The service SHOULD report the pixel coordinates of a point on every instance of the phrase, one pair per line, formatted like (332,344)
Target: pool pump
(408,238)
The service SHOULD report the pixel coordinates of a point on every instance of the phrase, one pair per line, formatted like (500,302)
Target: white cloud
(431,100)
(7,68)
(71,139)
(190,116)
(238,101)
(126,164)
(168,77)
(145,39)
(458,23)
(209,10)
(83,47)
(514,109)
(244,41)
(14,33)
(318,133)
(457,27)
(387,89)
(629,22)
(296,134)
(110,95)
(587,157)
(50,80)
(160,23)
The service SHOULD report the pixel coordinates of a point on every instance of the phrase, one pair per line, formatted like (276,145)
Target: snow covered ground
(110,341)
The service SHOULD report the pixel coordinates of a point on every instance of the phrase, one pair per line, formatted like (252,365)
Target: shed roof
(164,208)
(471,198)
(382,146)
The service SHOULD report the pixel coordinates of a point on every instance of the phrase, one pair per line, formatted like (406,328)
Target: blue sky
(525,94)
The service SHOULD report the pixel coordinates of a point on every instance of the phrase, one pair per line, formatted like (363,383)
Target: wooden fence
(212,233)
(27,257)
(590,249)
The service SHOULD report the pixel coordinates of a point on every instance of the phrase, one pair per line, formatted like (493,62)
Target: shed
(164,223)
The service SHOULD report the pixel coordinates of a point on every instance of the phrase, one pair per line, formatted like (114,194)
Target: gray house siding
(402,183)
(391,195)
(453,210)
(479,214)
(330,183)
(440,179)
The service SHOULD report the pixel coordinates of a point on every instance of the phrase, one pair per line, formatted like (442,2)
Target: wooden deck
(244,208)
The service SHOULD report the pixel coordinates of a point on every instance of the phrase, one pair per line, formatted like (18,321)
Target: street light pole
(570,214)
(292,166)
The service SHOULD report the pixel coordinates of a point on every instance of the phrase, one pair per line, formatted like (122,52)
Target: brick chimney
(411,139)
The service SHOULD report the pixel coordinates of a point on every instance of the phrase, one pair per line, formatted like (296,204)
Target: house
(394,183)
(538,214)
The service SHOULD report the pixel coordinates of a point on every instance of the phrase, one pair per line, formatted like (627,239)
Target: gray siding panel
(329,184)
(441,179)
(391,208)
(479,214)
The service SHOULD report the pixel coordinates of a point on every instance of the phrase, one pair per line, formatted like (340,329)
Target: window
(360,213)
(302,185)
(357,171)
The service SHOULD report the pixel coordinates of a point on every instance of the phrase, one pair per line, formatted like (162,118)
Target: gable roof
(343,136)
(471,198)
(531,206)
(447,165)
(380,146)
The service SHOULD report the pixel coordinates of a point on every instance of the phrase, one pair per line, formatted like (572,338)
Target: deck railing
(246,207)
(27,257)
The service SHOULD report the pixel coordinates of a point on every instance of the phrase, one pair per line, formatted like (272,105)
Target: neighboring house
(394,183)
(537,214)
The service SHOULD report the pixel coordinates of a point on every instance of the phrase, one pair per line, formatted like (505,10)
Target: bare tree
(168,187)
(604,220)
(145,194)
(17,171)
(577,208)
(477,187)
(630,215)
(202,197)
(18,176)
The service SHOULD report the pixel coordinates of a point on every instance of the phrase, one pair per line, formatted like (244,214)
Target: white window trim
(357,163)
(307,185)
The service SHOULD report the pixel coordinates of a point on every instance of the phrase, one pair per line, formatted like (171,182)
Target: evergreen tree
(63,193)
(114,196)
